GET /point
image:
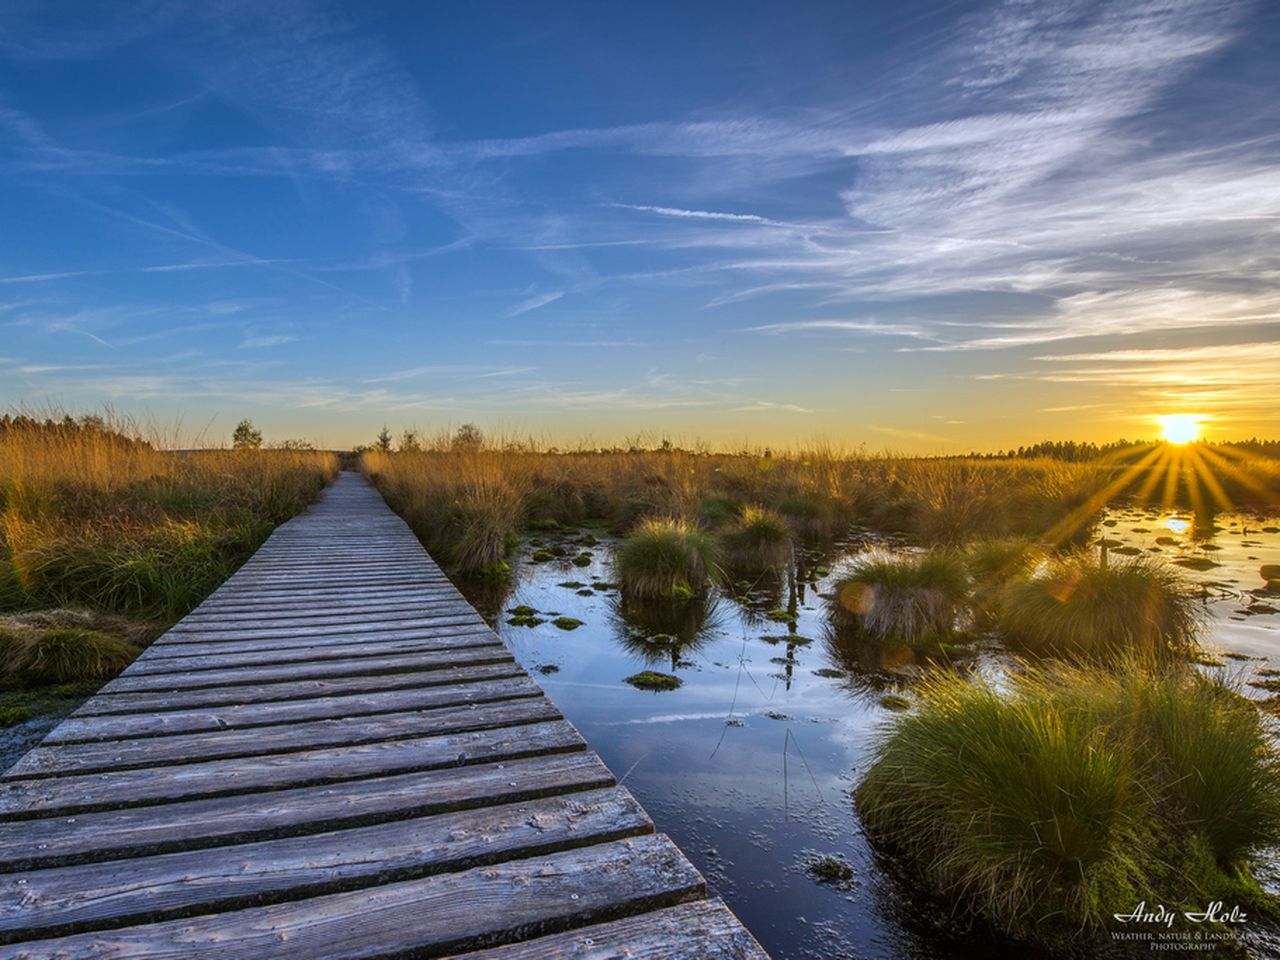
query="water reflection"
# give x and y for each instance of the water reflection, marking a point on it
(660, 631)
(753, 760)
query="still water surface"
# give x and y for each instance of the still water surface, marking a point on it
(750, 764)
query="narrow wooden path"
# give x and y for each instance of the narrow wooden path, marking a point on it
(333, 756)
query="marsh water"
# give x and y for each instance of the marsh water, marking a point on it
(750, 764)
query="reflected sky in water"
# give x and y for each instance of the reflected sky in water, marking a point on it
(750, 764)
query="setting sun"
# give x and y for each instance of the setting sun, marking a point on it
(1180, 428)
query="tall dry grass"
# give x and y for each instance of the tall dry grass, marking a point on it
(467, 500)
(95, 514)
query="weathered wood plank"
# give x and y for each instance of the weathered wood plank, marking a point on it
(702, 930)
(298, 607)
(171, 651)
(241, 715)
(454, 637)
(313, 618)
(445, 615)
(125, 683)
(77, 758)
(63, 795)
(106, 704)
(95, 895)
(426, 917)
(192, 824)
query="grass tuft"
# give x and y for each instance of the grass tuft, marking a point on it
(1077, 606)
(909, 598)
(1042, 807)
(66, 655)
(666, 559)
(759, 541)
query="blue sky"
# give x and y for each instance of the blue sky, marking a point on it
(926, 226)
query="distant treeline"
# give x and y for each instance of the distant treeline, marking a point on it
(1072, 451)
(67, 425)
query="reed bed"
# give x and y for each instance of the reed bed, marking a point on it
(94, 514)
(468, 499)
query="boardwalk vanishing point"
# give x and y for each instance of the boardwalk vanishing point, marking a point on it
(334, 756)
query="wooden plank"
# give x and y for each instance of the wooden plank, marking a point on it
(312, 617)
(94, 895)
(441, 616)
(78, 758)
(257, 654)
(494, 653)
(257, 586)
(23, 799)
(239, 716)
(302, 606)
(105, 704)
(426, 917)
(192, 824)
(701, 930)
(162, 651)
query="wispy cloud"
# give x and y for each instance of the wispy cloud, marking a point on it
(267, 340)
(682, 214)
(534, 302)
(768, 406)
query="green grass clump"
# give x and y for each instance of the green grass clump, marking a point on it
(567, 623)
(909, 598)
(66, 655)
(653, 680)
(813, 515)
(995, 564)
(1042, 807)
(666, 559)
(1078, 607)
(11, 716)
(759, 541)
(718, 509)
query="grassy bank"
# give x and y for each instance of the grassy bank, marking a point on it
(97, 520)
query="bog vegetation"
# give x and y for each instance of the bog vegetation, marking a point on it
(1041, 807)
(468, 498)
(1102, 770)
(95, 516)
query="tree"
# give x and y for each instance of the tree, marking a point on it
(409, 442)
(383, 442)
(468, 435)
(246, 436)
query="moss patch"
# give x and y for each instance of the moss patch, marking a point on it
(653, 680)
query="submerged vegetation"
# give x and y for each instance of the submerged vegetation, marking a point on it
(1041, 807)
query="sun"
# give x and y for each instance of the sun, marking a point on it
(1180, 428)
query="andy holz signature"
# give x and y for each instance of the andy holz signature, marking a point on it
(1214, 913)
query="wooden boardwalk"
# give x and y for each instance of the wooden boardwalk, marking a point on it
(334, 756)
